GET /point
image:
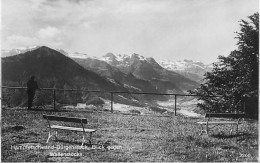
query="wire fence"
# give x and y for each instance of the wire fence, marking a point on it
(57, 98)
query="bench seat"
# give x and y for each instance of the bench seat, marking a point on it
(71, 128)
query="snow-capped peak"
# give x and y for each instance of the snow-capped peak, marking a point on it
(138, 56)
(6, 53)
(114, 58)
(121, 57)
(185, 65)
(22, 49)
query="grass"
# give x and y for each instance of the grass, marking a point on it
(138, 138)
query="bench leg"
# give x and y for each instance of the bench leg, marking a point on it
(50, 135)
(90, 136)
(83, 139)
(56, 135)
(203, 130)
(231, 131)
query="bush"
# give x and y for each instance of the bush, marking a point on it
(135, 111)
(157, 109)
(93, 100)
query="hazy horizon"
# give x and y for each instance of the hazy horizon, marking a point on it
(199, 30)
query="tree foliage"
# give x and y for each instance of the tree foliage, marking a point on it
(234, 78)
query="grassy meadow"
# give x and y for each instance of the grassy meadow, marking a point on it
(143, 138)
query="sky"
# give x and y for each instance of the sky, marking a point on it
(199, 30)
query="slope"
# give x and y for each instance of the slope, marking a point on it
(128, 80)
(149, 69)
(53, 69)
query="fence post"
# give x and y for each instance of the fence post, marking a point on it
(54, 98)
(244, 106)
(175, 101)
(77, 97)
(111, 95)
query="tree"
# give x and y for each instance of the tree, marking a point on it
(234, 78)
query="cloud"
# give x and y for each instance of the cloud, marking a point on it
(20, 41)
(50, 36)
(163, 28)
(49, 33)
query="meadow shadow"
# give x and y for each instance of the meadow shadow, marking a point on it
(230, 136)
(73, 142)
(47, 110)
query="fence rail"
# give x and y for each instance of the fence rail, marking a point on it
(111, 94)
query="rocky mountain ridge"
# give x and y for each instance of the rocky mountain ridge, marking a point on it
(193, 70)
(195, 67)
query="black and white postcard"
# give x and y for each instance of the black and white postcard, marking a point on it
(129, 80)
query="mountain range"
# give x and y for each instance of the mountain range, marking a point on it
(116, 76)
(188, 68)
(193, 70)
(148, 69)
(53, 69)
(129, 72)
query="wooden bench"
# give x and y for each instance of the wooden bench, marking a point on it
(230, 119)
(82, 129)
